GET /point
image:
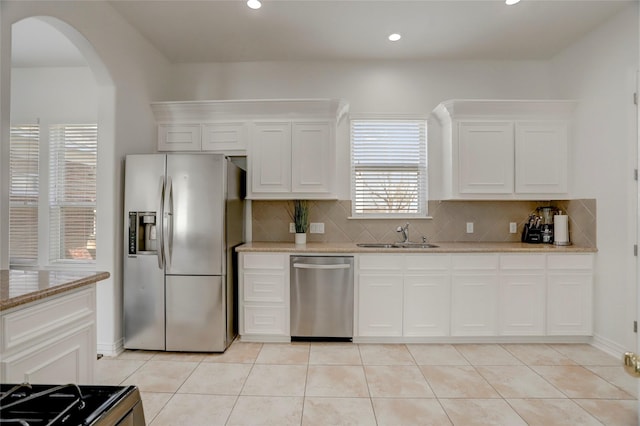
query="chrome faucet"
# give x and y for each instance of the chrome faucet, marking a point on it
(405, 232)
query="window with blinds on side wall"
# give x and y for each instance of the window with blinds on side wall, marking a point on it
(388, 168)
(72, 193)
(24, 147)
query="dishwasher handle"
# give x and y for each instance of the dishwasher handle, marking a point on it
(316, 266)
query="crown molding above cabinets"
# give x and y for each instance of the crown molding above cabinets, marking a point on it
(505, 149)
(290, 144)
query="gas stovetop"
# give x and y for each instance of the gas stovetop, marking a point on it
(57, 405)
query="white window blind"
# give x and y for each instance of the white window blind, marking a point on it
(72, 195)
(389, 168)
(24, 180)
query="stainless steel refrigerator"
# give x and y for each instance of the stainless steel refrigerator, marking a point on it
(184, 215)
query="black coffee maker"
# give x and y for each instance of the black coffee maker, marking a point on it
(539, 226)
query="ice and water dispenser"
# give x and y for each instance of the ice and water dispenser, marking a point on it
(142, 233)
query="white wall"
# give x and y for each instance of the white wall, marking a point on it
(129, 73)
(600, 71)
(57, 94)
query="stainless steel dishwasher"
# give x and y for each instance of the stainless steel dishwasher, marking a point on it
(322, 297)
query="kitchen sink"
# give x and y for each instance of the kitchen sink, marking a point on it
(376, 245)
(415, 245)
(396, 245)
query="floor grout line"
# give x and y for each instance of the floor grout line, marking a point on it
(395, 361)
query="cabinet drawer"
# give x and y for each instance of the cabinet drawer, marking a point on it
(381, 262)
(263, 287)
(263, 261)
(427, 262)
(570, 261)
(28, 325)
(264, 320)
(477, 262)
(521, 261)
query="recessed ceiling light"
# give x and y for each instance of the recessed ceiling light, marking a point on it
(511, 2)
(254, 4)
(395, 37)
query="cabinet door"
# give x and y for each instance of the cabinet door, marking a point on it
(312, 167)
(485, 157)
(179, 137)
(225, 137)
(541, 157)
(380, 305)
(569, 304)
(474, 305)
(426, 305)
(69, 358)
(270, 158)
(522, 304)
(522, 300)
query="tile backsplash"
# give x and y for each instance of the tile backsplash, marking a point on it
(447, 223)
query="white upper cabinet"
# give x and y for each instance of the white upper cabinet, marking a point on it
(291, 160)
(179, 137)
(270, 158)
(290, 144)
(495, 149)
(224, 136)
(541, 157)
(485, 161)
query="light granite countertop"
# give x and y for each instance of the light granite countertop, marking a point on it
(21, 286)
(443, 247)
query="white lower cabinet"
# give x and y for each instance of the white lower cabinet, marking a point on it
(474, 295)
(427, 289)
(522, 295)
(50, 341)
(264, 295)
(414, 296)
(403, 295)
(380, 298)
(570, 294)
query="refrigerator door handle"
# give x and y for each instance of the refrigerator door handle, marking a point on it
(159, 226)
(168, 231)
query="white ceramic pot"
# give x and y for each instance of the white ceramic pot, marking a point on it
(301, 238)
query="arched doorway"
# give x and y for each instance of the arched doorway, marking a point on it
(72, 92)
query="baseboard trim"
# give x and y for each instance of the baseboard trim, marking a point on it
(474, 339)
(259, 338)
(111, 349)
(609, 346)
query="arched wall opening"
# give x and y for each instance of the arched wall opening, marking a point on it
(102, 110)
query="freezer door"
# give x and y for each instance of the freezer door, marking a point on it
(143, 304)
(194, 214)
(143, 174)
(196, 317)
(143, 274)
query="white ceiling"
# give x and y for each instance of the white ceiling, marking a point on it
(228, 31)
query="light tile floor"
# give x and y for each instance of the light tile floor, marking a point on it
(364, 384)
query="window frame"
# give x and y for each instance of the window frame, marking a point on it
(59, 200)
(43, 220)
(422, 180)
(30, 199)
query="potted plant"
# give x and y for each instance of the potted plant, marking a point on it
(300, 217)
